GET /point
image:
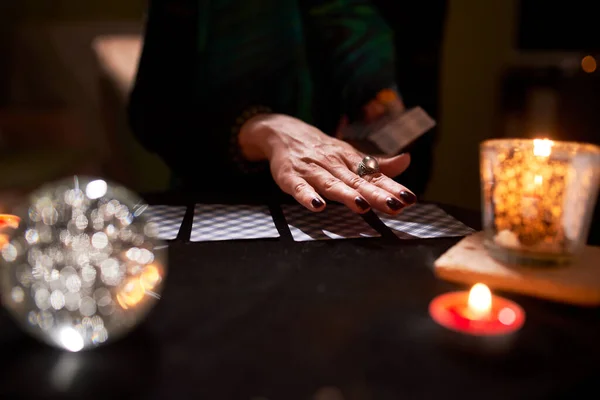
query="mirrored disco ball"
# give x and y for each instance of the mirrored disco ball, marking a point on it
(84, 266)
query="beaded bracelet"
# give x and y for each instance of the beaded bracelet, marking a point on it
(248, 167)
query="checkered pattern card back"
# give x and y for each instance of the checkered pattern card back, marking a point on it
(422, 221)
(335, 222)
(167, 218)
(213, 222)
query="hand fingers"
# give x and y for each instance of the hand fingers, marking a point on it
(381, 180)
(304, 193)
(333, 188)
(394, 166)
(379, 198)
(407, 197)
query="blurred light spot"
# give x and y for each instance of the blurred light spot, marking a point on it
(122, 211)
(99, 240)
(49, 215)
(54, 274)
(146, 256)
(130, 294)
(96, 189)
(17, 294)
(507, 316)
(88, 274)
(588, 64)
(73, 283)
(45, 320)
(72, 301)
(32, 318)
(34, 215)
(151, 229)
(57, 299)
(133, 253)
(42, 299)
(111, 271)
(87, 306)
(32, 236)
(102, 297)
(111, 231)
(100, 335)
(71, 340)
(138, 240)
(150, 277)
(9, 253)
(81, 222)
(24, 275)
(125, 234)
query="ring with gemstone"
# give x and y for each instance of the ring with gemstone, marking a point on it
(368, 166)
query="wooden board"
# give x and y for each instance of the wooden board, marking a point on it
(468, 262)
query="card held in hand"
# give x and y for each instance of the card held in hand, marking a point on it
(168, 219)
(335, 222)
(392, 132)
(424, 221)
(213, 222)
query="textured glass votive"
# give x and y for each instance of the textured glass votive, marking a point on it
(538, 197)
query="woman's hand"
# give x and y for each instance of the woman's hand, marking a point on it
(306, 163)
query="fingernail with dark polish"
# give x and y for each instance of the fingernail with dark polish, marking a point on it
(394, 204)
(408, 197)
(362, 203)
(317, 203)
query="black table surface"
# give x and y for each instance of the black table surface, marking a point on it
(278, 319)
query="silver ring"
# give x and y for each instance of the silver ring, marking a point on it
(368, 166)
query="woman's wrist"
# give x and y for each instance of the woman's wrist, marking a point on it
(255, 138)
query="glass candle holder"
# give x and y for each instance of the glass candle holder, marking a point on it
(538, 197)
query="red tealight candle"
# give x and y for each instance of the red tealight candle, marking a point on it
(477, 312)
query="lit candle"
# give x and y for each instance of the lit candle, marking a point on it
(7, 221)
(477, 312)
(538, 196)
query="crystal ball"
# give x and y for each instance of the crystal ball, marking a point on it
(84, 266)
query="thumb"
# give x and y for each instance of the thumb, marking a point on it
(394, 166)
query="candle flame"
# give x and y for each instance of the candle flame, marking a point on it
(150, 277)
(538, 179)
(10, 221)
(542, 147)
(480, 299)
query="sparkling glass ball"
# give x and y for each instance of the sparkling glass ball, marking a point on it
(85, 264)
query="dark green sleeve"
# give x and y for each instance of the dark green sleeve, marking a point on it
(166, 111)
(353, 44)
